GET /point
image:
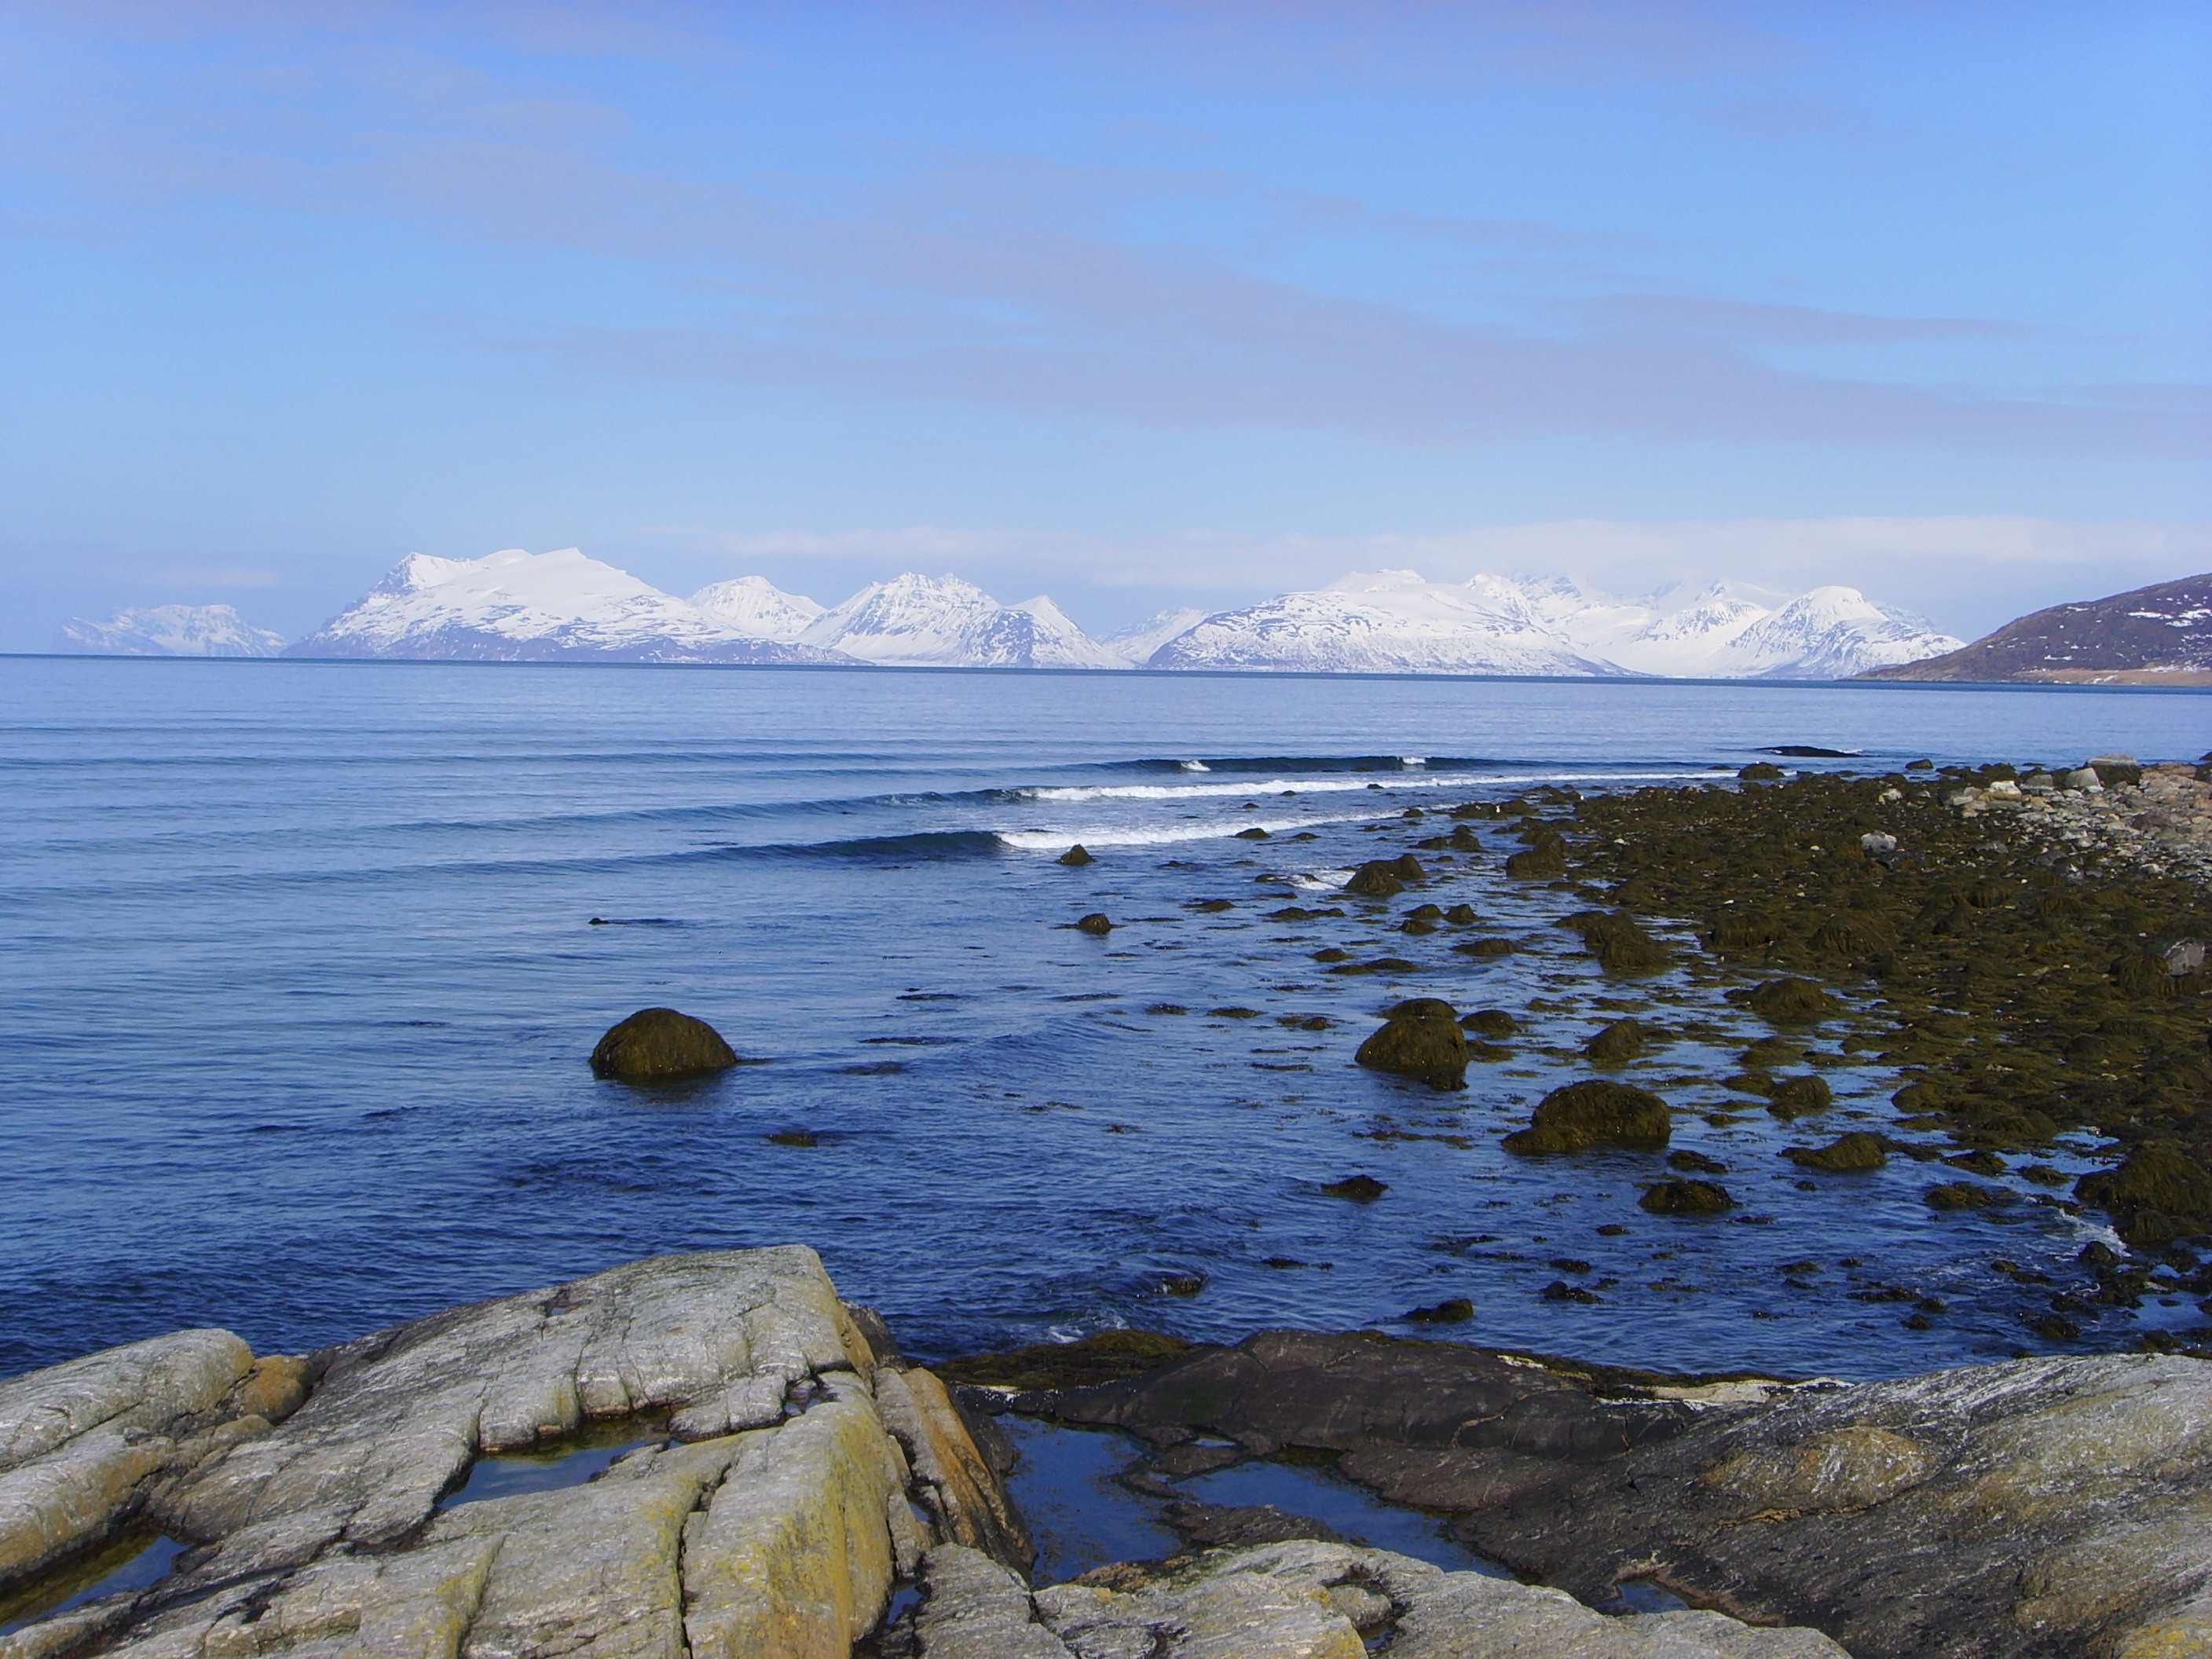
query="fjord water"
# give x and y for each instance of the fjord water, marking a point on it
(300, 968)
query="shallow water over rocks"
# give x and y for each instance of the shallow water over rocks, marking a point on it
(304, 962)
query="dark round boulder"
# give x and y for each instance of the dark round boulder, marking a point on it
(1761, 772)
(1595, 1113)
(1098, 922)
(1491, 1022)
(1686, 1198)
(1420, 1037)
(1077, 854)
(2159, 1177)
(1376, 878)
(657, 1044)
(1452, 1310)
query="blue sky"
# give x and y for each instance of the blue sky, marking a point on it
(1135, 304)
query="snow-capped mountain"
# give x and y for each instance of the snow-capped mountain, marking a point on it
(941, 620)
(524, 607)
(1385, 621)
(1393, 621)
(757, 607)
(1139, 640)
(1729, 631)
(170, 630)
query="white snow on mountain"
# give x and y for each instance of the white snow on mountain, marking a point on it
(941, 620)
(1139, 640)
(757, 607)
(1393, 621)
(1387, 621)
(170, 630)
(522, 606)
(526, 607)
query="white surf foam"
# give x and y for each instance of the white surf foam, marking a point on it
(1338, 784)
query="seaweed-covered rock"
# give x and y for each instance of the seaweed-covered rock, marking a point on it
(655, 1044)
(1792, 1001)
(1857, 1150)
(1794, 1097)
(1097, 923)
(1102, 1357)
(1618, 941)
(2159, 1179)
(1696, 1163)
(1376, 878)
(1409, 868)
(1618, 1042)
(1078, 855)
(1761, 772)
(1420, 1037)
(1452, 1310)
(1686, 1198)
(1545, 861)
(1490, 1023)
(1485, 947)
(1361, 1188)
(1965, 1195)
(1595, 1113)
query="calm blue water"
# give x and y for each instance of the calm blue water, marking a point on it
(299, 975)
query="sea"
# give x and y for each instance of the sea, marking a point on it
(300, 964)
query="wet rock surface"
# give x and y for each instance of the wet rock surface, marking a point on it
(1305, 1599)
(655, 1044)
(786, 1478)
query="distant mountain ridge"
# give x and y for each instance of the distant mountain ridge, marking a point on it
(561, 606)
(2156, 636)
(1395, 621)
(170, 630)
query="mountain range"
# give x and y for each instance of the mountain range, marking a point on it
(519, 606)
(170, 630)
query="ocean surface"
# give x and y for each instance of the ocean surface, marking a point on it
(299, 967)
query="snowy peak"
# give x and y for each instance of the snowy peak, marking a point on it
(1386, 621)
(1138, 640)
(170, 630)
(1395, 621)
(524, 607)
(913, 619)
(756, 607)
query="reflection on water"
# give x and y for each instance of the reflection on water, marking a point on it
(133, 1561)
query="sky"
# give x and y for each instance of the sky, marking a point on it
(1139, 305)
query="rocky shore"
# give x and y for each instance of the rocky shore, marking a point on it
(728, 1459)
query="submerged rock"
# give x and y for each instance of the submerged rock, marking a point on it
(2158, 1193)
(1794, 1097)
(1595, 1113)
(1078, 855)
(1098, 922)
(1364, 1188)
(1490, 1023)
(655, 1044)
(1686, 1198)
(1858, 1150)
(1420, 1037)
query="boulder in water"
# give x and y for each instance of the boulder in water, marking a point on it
(1686, 1198)
(1420, 1037)
(1365, 1188)
(1098, 922)
(1077, 854)
(1595, 1113)
(1858, 1150)
(1618, 1042)
(655, 1044)
(1376, 878)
